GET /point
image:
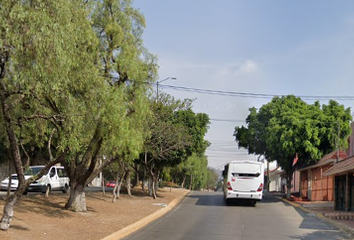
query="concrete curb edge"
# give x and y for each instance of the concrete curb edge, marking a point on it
(146, 220)
(341, 226)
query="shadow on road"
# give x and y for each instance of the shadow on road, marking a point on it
(217, 199)
(309, 223)
(317, 235)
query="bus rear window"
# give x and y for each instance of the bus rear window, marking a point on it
(246, 174)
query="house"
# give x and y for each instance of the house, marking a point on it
(316, 186)
(343, 174)
(277, 179)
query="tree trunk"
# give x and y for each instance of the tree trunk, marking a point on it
(153, 188)
(143, 183)
(77, 199)
(8, 186)
(47, 191)
(150, 183)
(8, 212)
(191, 183)
(288, 186)
(116, 190)
(119, 188)
(128, 182)
(103, 186)
(137, 176)
(184, 181)
(115, 195)
(15, 155)
(156, 185)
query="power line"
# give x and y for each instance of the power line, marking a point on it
(252, 95)
(227, 120)
(240, 94)
(225, 151)
(230, 156)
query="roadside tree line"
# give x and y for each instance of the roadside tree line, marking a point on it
(76, 85)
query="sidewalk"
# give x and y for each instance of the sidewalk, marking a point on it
(344, 221)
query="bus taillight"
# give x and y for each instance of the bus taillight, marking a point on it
(229, 186)
(260, 188)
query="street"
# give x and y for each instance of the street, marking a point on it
(205, 216)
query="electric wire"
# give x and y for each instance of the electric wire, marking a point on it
(252, 95)
(241, 94)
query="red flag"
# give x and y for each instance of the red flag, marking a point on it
(295, 160)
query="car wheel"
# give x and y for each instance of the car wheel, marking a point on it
(66, 188)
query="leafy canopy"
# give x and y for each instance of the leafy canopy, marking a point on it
(287, 126)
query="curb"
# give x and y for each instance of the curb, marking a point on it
(145, 220)
(341, 226)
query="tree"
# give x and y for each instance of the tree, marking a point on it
(41, 51)
(288, 127)
(212, 179)
(116, 126)
(198, 171)
(165, 138)
(73, 77)
(197, 125)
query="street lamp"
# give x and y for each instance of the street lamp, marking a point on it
(158, 82)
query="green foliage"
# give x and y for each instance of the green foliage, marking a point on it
(197, 171)
(197, 125)
(193, 172)
(212, 179)
(287, 126)
(80, 68)
(166, 138)
(175, 131)
(57, 51)
(51, 63)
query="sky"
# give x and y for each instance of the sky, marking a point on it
(273, 47)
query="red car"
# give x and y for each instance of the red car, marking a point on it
(111, 184)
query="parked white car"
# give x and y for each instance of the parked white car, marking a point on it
(55, 179)
(14, 183)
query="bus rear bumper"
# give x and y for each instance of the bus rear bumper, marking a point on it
(242, 195)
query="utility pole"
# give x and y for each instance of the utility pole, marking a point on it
(157, 85)
(337, 142)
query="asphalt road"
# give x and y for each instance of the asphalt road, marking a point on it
(204, 216)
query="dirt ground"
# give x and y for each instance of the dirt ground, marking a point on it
(37, 217)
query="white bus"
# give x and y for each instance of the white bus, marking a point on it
(244, 180)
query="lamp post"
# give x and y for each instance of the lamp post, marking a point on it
(158, 82)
